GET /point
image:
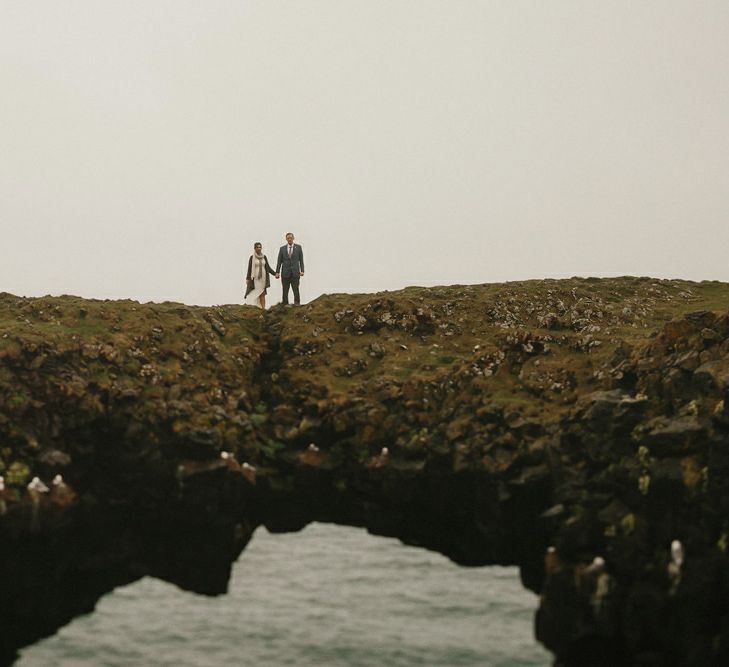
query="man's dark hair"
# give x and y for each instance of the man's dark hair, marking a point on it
(257, 243)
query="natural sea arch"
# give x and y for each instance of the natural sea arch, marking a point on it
(329, 595)
(585, 419)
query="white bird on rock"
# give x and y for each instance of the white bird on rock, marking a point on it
(313, 448)
(249, 472)
(36, 489)
(674, 567)
(385, 452)
(62, 494)
(37, 486)
(552, 561)
(677, 553)
(597, 566)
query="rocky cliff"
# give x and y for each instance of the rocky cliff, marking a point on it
(576, 428)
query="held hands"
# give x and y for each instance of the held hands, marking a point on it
(301, 273)
(278, 275)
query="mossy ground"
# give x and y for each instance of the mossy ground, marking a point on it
(556, 336)
(410, 368)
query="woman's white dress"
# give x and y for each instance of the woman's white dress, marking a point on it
(259, 286)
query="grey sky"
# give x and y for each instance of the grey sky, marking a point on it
(144, 145)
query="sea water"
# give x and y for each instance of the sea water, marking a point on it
(327, 596)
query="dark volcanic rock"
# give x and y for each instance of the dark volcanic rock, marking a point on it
(574, 428)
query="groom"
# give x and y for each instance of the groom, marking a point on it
(290, 268)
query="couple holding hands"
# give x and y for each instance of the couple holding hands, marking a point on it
(289, 267)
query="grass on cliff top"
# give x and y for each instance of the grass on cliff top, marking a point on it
(529, 347)
(145, 345)
(539, 341)
(57, 318)
(352, 344)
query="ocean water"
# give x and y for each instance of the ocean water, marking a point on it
(328, 596)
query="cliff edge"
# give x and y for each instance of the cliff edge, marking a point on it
(576, 428)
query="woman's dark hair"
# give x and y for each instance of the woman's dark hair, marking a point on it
(257, 243)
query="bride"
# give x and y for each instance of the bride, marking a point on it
(257, 280)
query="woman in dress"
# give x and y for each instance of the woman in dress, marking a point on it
(257, 280)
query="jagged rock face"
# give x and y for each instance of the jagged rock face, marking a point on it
(485, 422)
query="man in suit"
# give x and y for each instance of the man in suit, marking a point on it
(290, 268)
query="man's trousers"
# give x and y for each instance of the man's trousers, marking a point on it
(293, 281)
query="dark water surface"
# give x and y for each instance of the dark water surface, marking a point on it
(327, 596)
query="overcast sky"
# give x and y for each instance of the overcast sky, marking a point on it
(144, 145)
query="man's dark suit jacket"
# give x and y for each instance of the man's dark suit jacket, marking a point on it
(290, 268)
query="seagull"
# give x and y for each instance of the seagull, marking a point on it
(597, 566)
(677, 553)
(62, 494)
(674, 567)
(35, 489)
(552, 562)
(313, 448)
(37, 486)
(225, 455)
(385, 452)
(249, 472)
